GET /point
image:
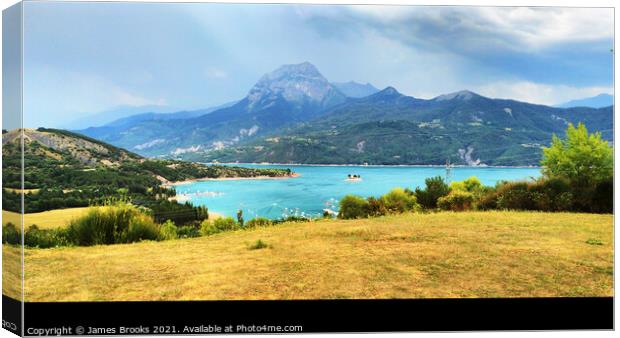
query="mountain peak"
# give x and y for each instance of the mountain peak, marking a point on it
(463, 95)
(388, 92)
(304, 69)
(298, 83)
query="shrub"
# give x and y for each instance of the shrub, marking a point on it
(295, 219)
(398, 201)
(436, 187)
(471, 184)
(48, 238)
(10, 234)
(218, 225)
(376, 207)
(487, 201)
(258, 222)
(188, 231)
(168, 230)
(515, 196)
(120, 223)
(603, 197)
(259, 244)
(353, 207)
(141, 228)
(456, 200)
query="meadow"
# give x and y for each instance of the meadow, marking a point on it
(410, 255)
(46, 219)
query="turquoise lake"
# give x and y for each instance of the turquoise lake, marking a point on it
(321, 187)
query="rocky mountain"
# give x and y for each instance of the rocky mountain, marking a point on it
(354, 89)
(288, 95)
(391, 128)
(598, 101)
(294, 114)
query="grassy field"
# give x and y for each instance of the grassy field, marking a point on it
(470, 254)
(55, 218)
(46, 219)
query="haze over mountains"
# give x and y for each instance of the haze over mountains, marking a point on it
(295, 115)
(598, 101)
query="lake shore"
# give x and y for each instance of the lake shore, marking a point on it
(369, 165)
(194, 180)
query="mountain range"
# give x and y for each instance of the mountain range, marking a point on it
(598, 101)
(295, 115)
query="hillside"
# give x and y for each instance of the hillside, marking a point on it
(435, 255)
(391, 128)
(64, 169)
(288, 95)
(295, 115)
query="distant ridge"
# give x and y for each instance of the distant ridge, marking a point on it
(293, 114)
(598, 101)
(355, 89)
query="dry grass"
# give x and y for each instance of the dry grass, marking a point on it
(472, 254)
(46, 219)
(11, 271)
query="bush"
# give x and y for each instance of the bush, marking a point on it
(551, 195)
(603, 197)
(120, 223)
(49, 238)
(399, 201)
(188, 231)
(471, 184)
(515, 196)
(376, 207)
(487, 201)
(353, 207)
(544, 195)
(259, 244)
(168, 230)
(436, 187)
(10, 234)
(141, 228)
(258, 222)
(456, 200)
(218, 225)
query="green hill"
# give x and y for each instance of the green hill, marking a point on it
(63, 169)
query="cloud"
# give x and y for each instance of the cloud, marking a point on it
(512, 28)
(539, 93)
(52, 95)
(537, 44)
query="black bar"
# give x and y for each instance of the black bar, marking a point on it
(11, 315)
(334, 315)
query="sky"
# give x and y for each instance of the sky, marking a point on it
(84, 58)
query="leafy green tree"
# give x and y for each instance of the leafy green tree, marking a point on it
(436, 187)
(581, 158)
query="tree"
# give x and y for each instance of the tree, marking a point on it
(436, 187)
(581, 158)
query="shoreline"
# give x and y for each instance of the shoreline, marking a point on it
(262, 177)
(372, 165)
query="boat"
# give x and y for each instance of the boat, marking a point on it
(353, 178)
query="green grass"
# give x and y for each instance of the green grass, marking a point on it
(469, 254)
